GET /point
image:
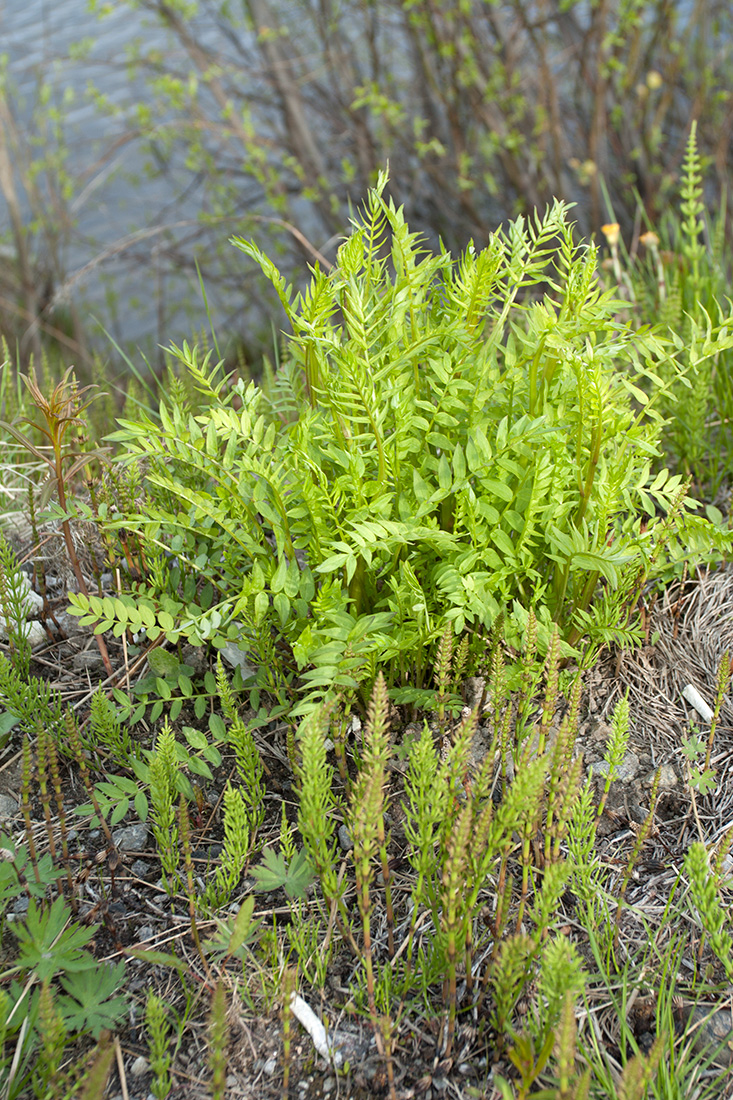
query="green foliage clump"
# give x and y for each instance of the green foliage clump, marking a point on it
(447, 442)
(680, 281)
(163, 773)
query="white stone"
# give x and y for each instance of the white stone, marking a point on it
(667, 777)
(695, 699)
(236, 656)
(8, 807)
(139, 1066)
(32, 630)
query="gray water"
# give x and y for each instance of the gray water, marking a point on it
(116, 208)
(127, 257)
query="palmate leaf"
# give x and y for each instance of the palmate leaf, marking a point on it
(49, 945)
(274, 873)
(90, 1005)
(234, 934)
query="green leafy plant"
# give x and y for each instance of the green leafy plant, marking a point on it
(240, 736)
(158, 1028)
(163, 770)
(51, 949)
(679, 280)
(30, 700)
(113, 798)
(23, 871)
(13, 612)
(108, 733)
(700, 777)
(276, 873)
(91, 1002)
(234, 934)
(48, 945)
(458, 839)
(705, 896)
(236, 851)
(217, 1041)
(436, 449)
(616, 748)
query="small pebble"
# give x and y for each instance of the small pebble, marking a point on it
(87, 660)
(624, 773)
(600, 731)
(328, 1083)
(8, 806)
(236, 656)
(345, 838)
(667, 777)
(70, 625)
(139, 1066)
(133, 838)
(140, 868)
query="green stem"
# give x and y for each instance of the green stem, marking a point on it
(591, 471)
(534, 370)
(357, 587)
(310, 377)
(584, 603)
(447, 511)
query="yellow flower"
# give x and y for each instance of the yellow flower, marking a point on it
(611, 233)
(649, 240)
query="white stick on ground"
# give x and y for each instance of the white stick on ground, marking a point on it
(305, 1015)
(695, 699)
